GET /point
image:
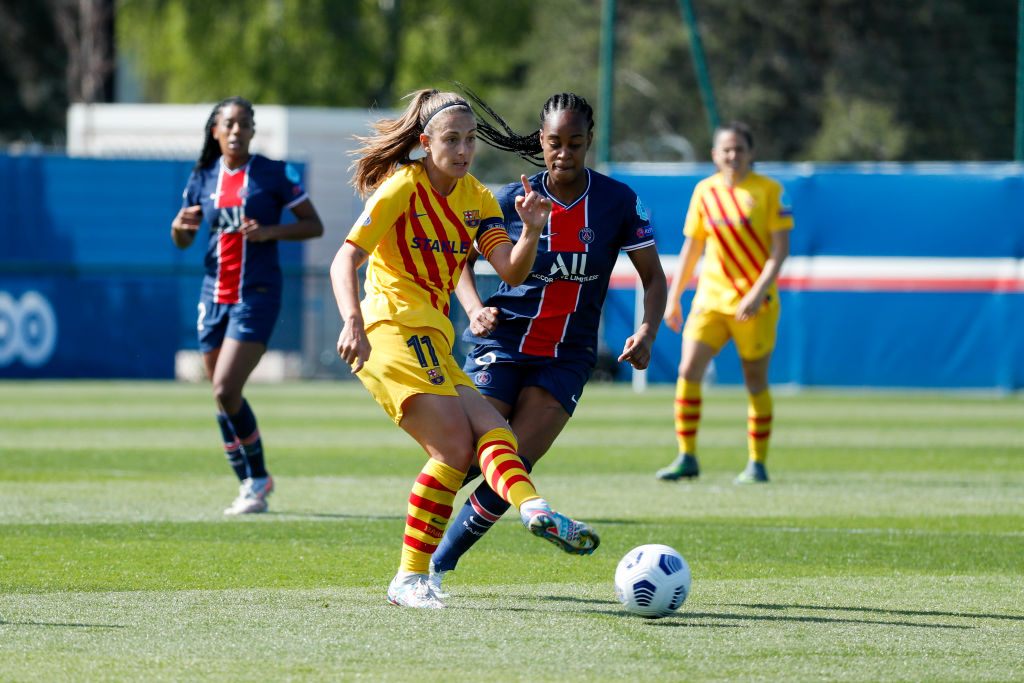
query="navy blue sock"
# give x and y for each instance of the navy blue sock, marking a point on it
(478, 514)
(232, 448)
(248, 433)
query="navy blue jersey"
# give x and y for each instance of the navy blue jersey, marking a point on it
(260, 190)
(556, 311)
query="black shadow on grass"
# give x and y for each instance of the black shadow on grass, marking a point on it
(612, 607)
(49, 623)
(623, 522)
(299, 516)
(816, 620)
(878, 610)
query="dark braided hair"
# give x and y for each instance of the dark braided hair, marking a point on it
(211, 148)
(528, 147)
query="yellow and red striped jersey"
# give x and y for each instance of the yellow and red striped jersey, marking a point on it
(736, 224)
(419, 243)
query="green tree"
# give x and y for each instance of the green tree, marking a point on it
(817, 79)
(315, 52)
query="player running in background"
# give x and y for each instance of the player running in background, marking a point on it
(740, 221)
(241, 196)
(536, 343)
(417, 231)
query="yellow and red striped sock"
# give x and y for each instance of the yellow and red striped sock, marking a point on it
(430, 508)
(687, 414)
(498, 453)
(759, 425)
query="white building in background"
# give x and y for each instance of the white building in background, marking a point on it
(320, 138)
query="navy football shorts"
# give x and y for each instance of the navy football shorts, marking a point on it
(496, 374)
(249, 321)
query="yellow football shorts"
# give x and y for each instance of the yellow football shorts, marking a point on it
(406, 361)
(754, 338)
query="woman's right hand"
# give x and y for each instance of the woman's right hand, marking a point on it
(354, 346)
(188, 218)
(483, 321)
(186, 224)
(674, 314)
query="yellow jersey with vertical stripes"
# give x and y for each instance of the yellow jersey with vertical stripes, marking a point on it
(419, 242)
(736, 224)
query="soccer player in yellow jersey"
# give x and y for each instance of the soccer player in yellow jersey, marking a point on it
(417, 231)
(740, 222)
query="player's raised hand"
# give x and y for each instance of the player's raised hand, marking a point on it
(533, 208)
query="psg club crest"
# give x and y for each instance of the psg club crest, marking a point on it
(586, 235)
(483, 378)
(471, 218)
(435, 376)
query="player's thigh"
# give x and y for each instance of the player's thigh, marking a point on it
(755, 338)
(405, 362)
(253, 320)
(537, 420)
(441, 426)
(236, 360)
(495, 376)
(708, 327)
(704, 335)
(211, 325)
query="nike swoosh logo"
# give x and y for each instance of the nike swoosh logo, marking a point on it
(573, 399)
(438, 522)
(419, 215)
(549, 235)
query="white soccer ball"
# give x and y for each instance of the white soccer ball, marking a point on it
(652, 580)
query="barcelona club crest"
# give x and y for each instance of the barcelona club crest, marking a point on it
(471, 218)
(435, 376)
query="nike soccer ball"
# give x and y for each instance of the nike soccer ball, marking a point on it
(652, 580)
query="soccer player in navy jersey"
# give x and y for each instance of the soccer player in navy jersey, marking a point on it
(535, 345)
(241, 197)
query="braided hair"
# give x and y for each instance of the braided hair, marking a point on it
(396, 139)
(528, 147)
(211, 148)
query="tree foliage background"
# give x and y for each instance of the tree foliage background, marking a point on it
(821, 80)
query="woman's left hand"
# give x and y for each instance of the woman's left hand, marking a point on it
(749, 306)
(637, 350)
(253, 231)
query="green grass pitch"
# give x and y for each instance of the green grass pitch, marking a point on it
(888, 546)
